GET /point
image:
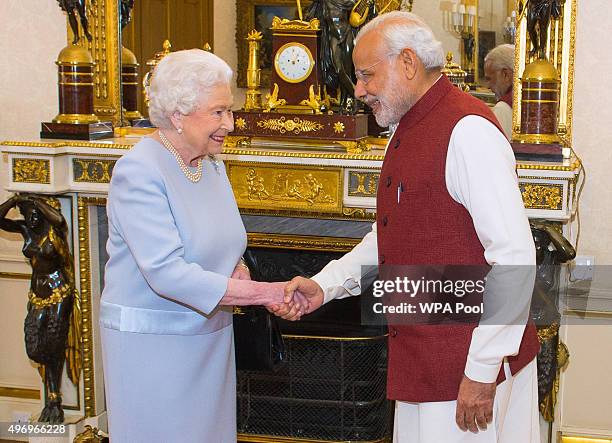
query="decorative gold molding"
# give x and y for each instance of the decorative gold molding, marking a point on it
(89, 435)
(570, 81)
(359, 213)
(347, 214)
(324, 337)
(295, 125)
(29, 170)
(92, 170)
(76, 144)
(574, 166)
(275, 439)
(26, 393)
(326, 155)
(15, 276)
(354, 147)
(104, 48)
(542, 196)
(576, 439)
(301, 242)
(284, 24)
(86, 311)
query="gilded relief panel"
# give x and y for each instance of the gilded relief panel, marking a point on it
(92, 170)
(27, 170)
(362, 184)
(542, 196)
(286, 187)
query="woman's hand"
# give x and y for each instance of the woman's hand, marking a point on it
(241, 272)
(249, 292)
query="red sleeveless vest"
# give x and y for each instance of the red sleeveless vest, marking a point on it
(426, 362)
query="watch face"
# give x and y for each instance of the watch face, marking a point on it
(293, 62)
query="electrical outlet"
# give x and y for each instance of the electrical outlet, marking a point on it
(583, 267)
(21, 417)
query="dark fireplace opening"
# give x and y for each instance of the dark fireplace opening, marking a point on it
(333, 386)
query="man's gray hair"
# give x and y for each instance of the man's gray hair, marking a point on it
(400, 30)
(181, 80)
(501, 57)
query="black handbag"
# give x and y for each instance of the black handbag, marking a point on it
(258, 341)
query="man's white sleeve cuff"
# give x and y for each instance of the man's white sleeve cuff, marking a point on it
(481, 372)
(349, 288)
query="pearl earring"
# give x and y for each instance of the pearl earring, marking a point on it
(179, 130)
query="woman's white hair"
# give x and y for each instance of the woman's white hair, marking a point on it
(501, 57)
(181, 80)
(400, 30)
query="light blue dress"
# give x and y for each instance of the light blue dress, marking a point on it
(167, 347)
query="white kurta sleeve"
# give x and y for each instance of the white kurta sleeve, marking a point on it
(481, 175)
(343, 277)
(139, 209)
(503, 113)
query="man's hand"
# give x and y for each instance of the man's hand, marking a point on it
(300, 287)
(474, 405)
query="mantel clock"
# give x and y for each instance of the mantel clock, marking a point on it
(296, 78)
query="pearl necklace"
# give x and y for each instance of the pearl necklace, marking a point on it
(192, 176)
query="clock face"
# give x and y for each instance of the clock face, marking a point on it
(293, 62)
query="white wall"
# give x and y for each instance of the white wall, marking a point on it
(592, 127)
(31, 35)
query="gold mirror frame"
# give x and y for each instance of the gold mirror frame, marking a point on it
(561, 52)
(103, 16)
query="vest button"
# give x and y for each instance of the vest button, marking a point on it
(393, 332)
(388, 181)
(385, 220)
(381, 259)
(397, 144)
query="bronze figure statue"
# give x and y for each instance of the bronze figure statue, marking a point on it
(125, 11)
(545, 313)
(538, 17)
(74, 8)
(52, 323)
(337, 42)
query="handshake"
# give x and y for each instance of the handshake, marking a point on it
(289, 300)
(300, 296)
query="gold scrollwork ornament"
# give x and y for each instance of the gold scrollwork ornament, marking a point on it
(355, 147)
(295, 125)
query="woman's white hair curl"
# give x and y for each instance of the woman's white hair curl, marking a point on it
(400, 30)
(181, 80)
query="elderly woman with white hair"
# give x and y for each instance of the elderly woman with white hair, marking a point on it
(174, 270)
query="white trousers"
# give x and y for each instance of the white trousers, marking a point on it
(515, 415)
